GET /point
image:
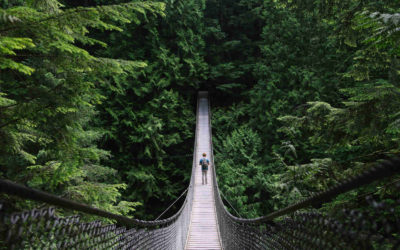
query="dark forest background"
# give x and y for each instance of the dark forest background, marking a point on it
(97, 98)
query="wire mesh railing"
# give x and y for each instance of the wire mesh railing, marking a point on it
(300, 227)
(46, 228)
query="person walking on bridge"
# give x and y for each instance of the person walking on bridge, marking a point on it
(204, 162)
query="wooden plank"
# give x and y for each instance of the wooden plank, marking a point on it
(203, 231)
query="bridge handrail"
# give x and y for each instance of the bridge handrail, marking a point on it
(12, 188)
(385, 169)
(28, 193)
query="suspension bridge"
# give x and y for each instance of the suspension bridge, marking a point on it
(203, 221)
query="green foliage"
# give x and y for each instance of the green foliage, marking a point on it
(49, 94)
(317, 82)
(241, 177)
(96, 101)
(148, 115)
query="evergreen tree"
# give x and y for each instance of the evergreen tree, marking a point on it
(49, 90)
(148, 115)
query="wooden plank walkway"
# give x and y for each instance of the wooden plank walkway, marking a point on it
(203, 230)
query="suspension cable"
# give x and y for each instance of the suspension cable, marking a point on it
(172, 204)
(230, 204)
(382, 170)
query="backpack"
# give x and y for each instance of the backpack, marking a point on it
(204, 164)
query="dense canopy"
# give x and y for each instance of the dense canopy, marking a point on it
(97, 98)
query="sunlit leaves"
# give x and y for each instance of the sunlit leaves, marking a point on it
(49, 92)
(8, 47)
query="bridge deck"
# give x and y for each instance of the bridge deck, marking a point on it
(203, 231)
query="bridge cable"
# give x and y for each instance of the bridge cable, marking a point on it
(172, 204)
(12, 188)
(230, 204)
(383, 169)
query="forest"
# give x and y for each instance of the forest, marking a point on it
(97, 99)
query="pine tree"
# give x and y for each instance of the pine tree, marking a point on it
(49, 91)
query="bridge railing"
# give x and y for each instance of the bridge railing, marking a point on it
(299, 226)
(46, 228)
